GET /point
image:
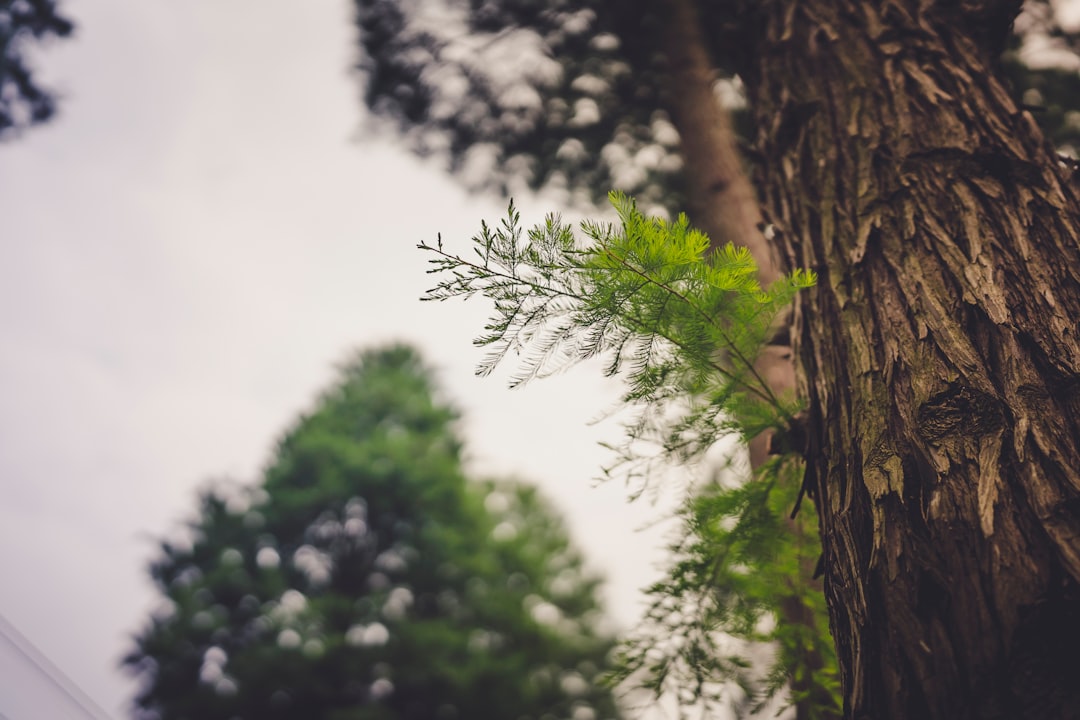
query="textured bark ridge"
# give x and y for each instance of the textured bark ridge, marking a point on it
(939, 353)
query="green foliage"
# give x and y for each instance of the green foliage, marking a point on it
(741, 564)
(365, 579)
(683, 327)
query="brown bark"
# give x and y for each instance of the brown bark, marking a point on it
(720, 197)
(939, 353)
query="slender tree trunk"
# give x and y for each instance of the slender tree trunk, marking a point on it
(939, 352)
(721, 199)
(723, 202)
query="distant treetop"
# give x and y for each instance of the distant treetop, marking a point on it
(365, 578)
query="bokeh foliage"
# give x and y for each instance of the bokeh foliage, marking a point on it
(23, 100)
(576, 95)
(365, 578)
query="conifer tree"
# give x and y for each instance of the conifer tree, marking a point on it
(365, 578)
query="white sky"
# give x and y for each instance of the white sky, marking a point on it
(185, 253)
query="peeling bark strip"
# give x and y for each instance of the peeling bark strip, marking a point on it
(939, 352)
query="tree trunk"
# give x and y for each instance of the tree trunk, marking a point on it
(723, 202)
(720, 198)
(939, 352)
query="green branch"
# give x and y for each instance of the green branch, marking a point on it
(684, 328)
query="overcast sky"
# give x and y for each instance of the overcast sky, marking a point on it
(185, 253)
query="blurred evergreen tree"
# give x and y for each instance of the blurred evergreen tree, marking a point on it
(366, 578)
(23, 102)
(572, 94)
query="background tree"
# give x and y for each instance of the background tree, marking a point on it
(366, 578)
(23, 102)
(938, 355)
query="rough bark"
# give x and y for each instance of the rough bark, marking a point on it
(939, 353)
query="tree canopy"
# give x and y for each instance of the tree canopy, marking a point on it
(583, 96)
(565, 94)
(23, 100)
(364, 577)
